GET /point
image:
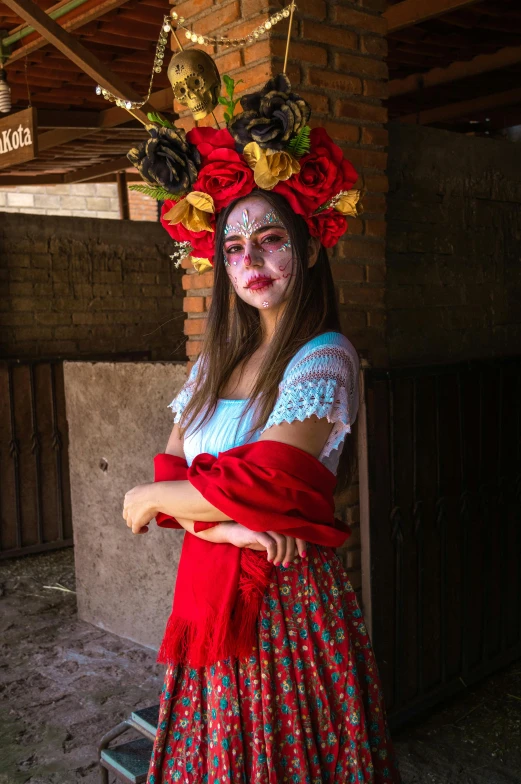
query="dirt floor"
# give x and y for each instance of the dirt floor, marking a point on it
(63, 683)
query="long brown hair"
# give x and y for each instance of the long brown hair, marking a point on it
(233, 329)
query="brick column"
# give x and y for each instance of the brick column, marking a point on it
(338, 64)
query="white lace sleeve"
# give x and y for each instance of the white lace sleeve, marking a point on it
(322, 381)
(180, 401)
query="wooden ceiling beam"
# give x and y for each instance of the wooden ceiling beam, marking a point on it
(133, 29)
(463, 108)
(121, 42)
(413, 12)
(160, 101)
(82, 120)
(76, 52)
(12, 180)
(80, 175)
(76, 19)
(108, 119)
(8, 180)
(98, 170)
(483, 63)
(60, 136)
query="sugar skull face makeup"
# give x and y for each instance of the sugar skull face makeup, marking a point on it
(257, 253)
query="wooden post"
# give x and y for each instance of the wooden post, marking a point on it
(124, 209)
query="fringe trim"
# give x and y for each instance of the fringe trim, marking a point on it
(232, 633)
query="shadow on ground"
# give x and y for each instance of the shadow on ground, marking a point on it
(63, 683)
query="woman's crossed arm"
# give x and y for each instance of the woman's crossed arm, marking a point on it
(184, 502)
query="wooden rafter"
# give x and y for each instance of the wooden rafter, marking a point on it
(12, 180)
(60, 136)
(91, 172)
(79, 119)
(62, 128)
(483, 63)
(109, 118)
(413, 12)
(160, 101)
(463, 108)
(76, 52)
(72, 21)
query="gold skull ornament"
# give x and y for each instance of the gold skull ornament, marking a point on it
(196, 81)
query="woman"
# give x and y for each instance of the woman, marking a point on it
(306, 704)
(270, 672)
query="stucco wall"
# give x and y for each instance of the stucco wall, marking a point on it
(117, 413)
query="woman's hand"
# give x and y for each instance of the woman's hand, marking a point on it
(139, 509)
(280, 548)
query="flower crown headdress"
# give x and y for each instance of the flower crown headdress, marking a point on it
(268, 146)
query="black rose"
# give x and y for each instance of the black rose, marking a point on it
(271, 115)
(166, 159)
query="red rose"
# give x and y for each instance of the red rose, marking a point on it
(225, 177)
(328, 226)
(208, 139)
(202, 242)
(323, 173)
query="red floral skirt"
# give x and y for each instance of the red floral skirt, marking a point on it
(305, 708)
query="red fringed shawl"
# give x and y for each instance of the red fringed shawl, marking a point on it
(265, 486)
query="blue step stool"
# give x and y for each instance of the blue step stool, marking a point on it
(129, 761)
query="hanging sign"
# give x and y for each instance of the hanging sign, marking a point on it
(18, 138)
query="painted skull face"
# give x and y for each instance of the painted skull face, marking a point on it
(257, 253)
(195, 81)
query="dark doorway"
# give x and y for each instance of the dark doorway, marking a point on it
(444, 463)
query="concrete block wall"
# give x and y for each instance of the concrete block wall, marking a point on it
(83, 286)
(337, 63)
(454, 245)
(84, 200)
(94, 200)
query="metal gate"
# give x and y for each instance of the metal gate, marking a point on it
(35, 503)
(444, 475)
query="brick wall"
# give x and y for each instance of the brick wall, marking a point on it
(142, 208)
(454, 245)
(85, 200)
(83, 286)
(337, 63)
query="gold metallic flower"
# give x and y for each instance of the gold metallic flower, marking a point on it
(348, 204)
(201, 265)
(193, 212)
(269, 166)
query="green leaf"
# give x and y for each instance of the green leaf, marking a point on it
(158, 193)
(155, 118)
(223, 100)
(230, 84)
(300, 144)
(227, 117)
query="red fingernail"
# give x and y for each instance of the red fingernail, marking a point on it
(304, 554)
